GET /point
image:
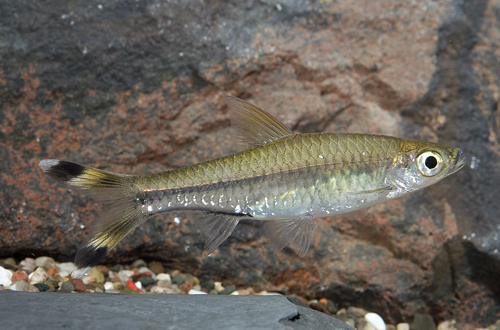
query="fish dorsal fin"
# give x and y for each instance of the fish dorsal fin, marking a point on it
(252, 125)
(297, 232)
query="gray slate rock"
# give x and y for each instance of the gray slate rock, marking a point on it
(109, 311)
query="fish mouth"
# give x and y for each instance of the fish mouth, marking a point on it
(459, 162)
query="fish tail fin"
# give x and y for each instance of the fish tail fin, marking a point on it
(120, 210)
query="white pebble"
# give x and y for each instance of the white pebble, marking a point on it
(18, 285)
(138, 284)
(28, 265)
(46, 262)
(218, 286)
(64, 274)
(403, 326)
(163, 277)
(376, 322)
(5, 276)
(125, 275)
(38, 276)
(108, 286)
(193, 291)
(67, 267)
(164, 280)
(159, 289)
(88, 279)
(447, 325)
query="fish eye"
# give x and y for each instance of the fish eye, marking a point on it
(429, 163)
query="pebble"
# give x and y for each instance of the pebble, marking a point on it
(28, 265)
(193, 291)
(67, 287)
(88, 279)
(103, 269)
(139, 263)
(163, 277)
(156, 267)
(44, 274)
(128, 291)
(96, 287)
(447, 325)
(243, 292)
(96, 273)
(53, 271)
(147, 281)
(164, 280)
(207, 282)
(5, 277)
(9, 263)
(342, 314)
(218, 286)
(146, 272)
(186, 286)
(331, 306)
(423, 322)
(30, 288)
(355, 311)
(319, 307)
(159, 289)
(42, 287)
(38, 276)
(374, 322)
(66, 268)
(228, 289)
(18, 285)
(178, 279)
(45, 262)
(79, 286)
(125, 275)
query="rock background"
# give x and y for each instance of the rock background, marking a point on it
(138, 86)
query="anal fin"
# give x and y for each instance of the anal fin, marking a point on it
(296, 231)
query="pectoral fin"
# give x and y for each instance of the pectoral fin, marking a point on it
(297, 232)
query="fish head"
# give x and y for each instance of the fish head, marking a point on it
(420, 164)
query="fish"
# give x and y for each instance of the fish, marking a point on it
(284, 178)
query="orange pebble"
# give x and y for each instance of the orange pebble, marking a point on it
(20, 275)
(52, 270)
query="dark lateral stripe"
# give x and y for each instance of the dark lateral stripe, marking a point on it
(89, 256)
(61, 170)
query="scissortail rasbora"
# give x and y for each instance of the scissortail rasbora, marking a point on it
(283, 177)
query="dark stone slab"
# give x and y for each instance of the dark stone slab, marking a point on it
(47, 311)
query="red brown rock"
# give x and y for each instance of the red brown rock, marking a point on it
(79, 286)
(186, 286)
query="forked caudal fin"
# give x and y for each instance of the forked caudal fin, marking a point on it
(119, 216)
